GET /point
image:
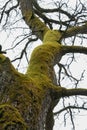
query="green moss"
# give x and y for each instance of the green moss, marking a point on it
(6, 66)
(11, 118)
(26, 96)
(27, 14)
(37, 26)
(43, 59)
(27, 92)
(21, 92)
(2, 58)
(36, 23)
(52, 36)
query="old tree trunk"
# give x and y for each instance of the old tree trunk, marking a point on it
(27, 101)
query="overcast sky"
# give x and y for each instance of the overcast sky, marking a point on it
(6, 40)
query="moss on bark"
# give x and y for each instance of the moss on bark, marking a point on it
(10, 118)
(28, 97)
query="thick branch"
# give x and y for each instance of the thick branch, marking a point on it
(64, 92)
(37, 26)
(74, 49)
(75, 91)
(75, 30)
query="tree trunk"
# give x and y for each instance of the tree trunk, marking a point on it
(27, 100)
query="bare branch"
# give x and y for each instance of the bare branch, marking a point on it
(42, 10)
(74, 91)
(24, 50)
(3, 10)
(74, 49)
(71, 116)
(69, 107)
(68, 74)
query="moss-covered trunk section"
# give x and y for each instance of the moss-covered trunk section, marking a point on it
(42, 62)
(35, 24)
(29, 97)
(27, 101)
(41, 71)
(23, 103)
(45, 56)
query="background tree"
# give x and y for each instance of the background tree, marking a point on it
(27, 100)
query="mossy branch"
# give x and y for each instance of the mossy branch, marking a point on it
(36, 25)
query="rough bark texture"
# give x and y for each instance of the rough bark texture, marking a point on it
(27, 101)
(29, 97)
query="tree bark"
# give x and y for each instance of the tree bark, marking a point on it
(27, 101)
